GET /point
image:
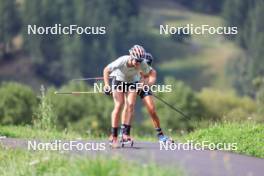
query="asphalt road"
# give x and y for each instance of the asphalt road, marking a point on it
(192, 162)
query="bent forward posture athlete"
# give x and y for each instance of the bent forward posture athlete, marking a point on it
(148, 101)
(126, 72)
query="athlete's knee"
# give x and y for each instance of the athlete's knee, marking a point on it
(130, 106)
(118, 107)
(119, 104)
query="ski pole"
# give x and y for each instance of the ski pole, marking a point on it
(172, 107)
(74, 93)
(87, 79)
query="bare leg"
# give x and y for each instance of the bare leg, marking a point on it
(119, 102)
(130, 106)
(124, 112)
(127, 115)
(150, 105)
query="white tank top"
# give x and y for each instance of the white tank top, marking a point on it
(121, 72)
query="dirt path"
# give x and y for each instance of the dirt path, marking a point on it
(193, 162)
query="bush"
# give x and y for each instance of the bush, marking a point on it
(184, 99)
(227, 105)
(84, 112)
(260, 98)
(17, 103)
(45, 115)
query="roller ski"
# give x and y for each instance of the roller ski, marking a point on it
(113, 142)
(125, 138)
(164, 139)
(126, 141)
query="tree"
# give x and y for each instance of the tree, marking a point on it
(206, 6)
(250, 66)
(9, 25)
(254, 33)
(58, 58)
(235, 13)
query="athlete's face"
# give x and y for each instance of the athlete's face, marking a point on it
(135, 63)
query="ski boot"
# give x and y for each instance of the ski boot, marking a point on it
(164, 139)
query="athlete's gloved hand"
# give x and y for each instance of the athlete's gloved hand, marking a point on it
(139, 91)
(107, 90)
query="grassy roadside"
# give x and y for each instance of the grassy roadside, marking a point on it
(33, 133)
(29, 132)
(21, 162)
(248, 136)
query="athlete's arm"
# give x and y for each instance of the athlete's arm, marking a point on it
(106, 76)
(152, 77)
(149, 78)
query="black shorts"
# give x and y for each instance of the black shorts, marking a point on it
(145, 93)
(123, 86)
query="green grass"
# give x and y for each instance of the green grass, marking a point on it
(248, 136)
(19, 162)
(33, 133)
(22, 162)
(29, 132)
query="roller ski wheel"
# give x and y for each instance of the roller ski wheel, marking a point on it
(126, 140)
(172, 141)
